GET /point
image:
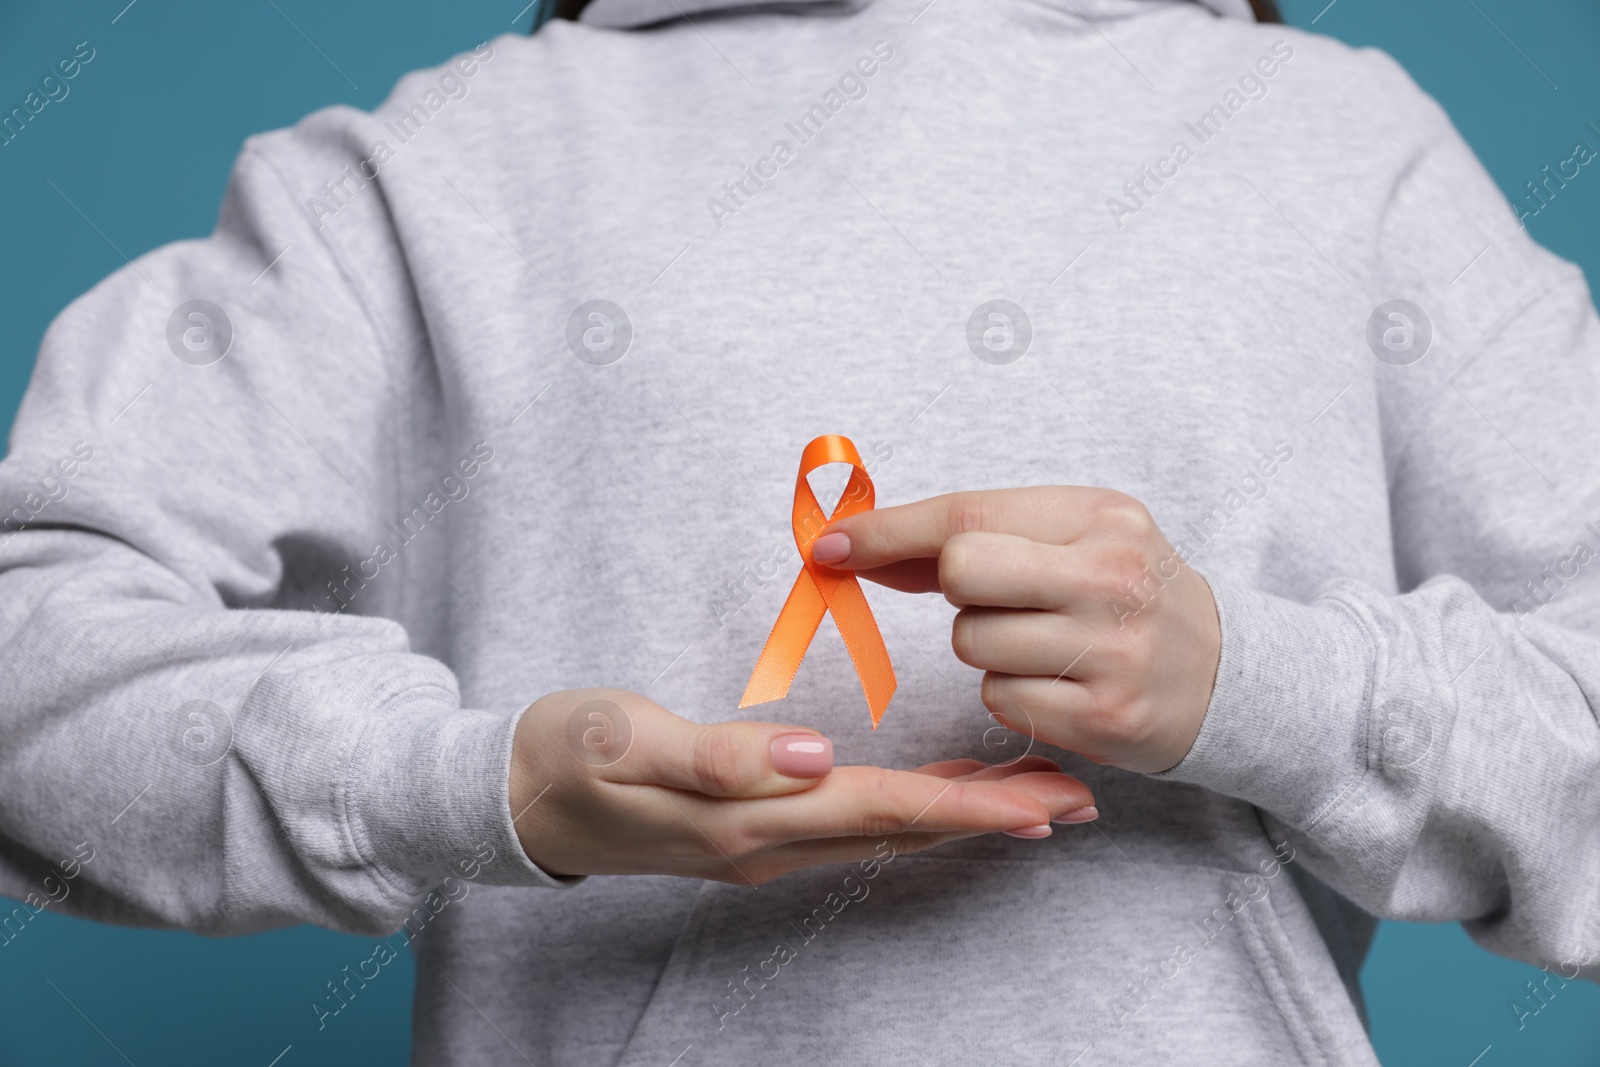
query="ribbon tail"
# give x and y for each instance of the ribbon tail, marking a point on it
(787, 643)
(853, 615)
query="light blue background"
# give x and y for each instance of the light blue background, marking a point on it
(142, 147)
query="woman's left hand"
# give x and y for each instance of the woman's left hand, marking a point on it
(1092, 634)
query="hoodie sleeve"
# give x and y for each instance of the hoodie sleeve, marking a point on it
(191, 735)
(1435, 755)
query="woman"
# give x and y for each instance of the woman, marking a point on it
(490, 401)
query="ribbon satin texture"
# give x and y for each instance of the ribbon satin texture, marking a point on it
(818, 590)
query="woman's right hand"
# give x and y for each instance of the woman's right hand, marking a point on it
(604, 781)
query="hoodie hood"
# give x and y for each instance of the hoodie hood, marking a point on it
(626, 14)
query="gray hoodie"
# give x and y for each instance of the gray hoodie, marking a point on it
(501, 389)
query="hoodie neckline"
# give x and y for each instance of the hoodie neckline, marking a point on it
(630, 14)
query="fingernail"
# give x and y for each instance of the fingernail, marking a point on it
(1031, 832)
(802, 755)
(1071, 818)
(831, 548)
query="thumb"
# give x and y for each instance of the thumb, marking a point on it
(729, 759)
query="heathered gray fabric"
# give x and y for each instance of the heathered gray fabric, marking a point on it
(1401, 555)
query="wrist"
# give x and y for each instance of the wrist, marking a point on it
(426, 795)
(529, 780)
(1286, 725)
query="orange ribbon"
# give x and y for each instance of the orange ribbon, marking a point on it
(818, 590)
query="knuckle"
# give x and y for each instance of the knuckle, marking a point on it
(966, 513)
(906, 844)
(878, 823)
(964, 637)
(958, 569)
(1122, 571)
(1020, 704)
(1128, 733)
(1000, 695)
(718, 761)
(1118, 652)
(1139, 656)
(993, 688)
(878, 816)
(1124, 514)
(1112, 718)
(992, 692)
(730, 843)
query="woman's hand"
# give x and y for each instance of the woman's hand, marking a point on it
(1092, 633)
(604, 781)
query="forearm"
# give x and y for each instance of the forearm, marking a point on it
(1430, 759)
(233, 770)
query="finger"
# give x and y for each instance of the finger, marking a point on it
(976, 770)
(861, 803)
(827, 852)
(1063, 713)
(871, 801)
(1025, 764)
(907, 576)
(1021, 642)
(1054, 514)
(730, 759)
(1006, 571)
(951, 768)
(1066, 798)
(836, 850)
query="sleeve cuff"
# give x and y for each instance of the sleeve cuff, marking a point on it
(427, 796)
(1286, 728)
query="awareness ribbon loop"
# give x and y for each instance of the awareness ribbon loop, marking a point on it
(818, 590)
